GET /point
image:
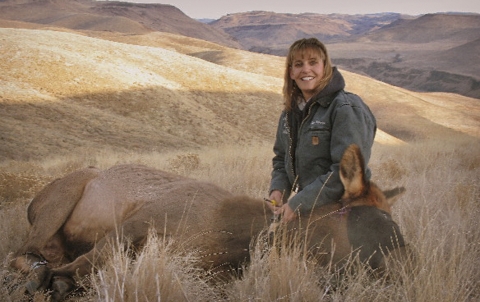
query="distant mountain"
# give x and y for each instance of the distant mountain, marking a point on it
(206, 20)
(431, 52)
(129, 18)
(429, 28)
(273, 33)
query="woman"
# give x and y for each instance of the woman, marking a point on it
(319, 121)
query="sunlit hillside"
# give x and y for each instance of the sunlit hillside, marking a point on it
(64, 92)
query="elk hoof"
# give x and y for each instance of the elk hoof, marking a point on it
(61, 287)
(40, 279)
(32, 286)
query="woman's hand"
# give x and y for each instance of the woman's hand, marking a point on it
(287, 213)
(277, 198)
(279, 208)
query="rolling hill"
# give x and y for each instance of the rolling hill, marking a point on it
(128, 18)
(73, 93)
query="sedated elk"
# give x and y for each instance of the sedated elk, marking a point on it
(73, 218)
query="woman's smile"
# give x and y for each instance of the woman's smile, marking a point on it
(307, 71)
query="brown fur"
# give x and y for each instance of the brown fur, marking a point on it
(74, 217)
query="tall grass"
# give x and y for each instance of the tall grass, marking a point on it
(438, 216)
(156, 273)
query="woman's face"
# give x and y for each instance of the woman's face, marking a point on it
(307, 71)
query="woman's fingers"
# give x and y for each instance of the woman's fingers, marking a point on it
(288, 214)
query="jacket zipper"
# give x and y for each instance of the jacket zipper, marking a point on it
(295, 186)
(290, 144)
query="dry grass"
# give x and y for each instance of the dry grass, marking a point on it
(439, 216)
(156, 273)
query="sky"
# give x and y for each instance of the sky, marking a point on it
(214, 9)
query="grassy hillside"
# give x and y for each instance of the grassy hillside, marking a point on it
(72, 93)
(65, 93)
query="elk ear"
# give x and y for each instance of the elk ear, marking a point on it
(352, 172)
(393, 194)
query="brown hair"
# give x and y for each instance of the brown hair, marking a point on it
(290, 89)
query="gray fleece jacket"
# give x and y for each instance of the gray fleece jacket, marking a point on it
(310, 143)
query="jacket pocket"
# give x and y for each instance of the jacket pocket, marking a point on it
(317, 148)
(319, 136)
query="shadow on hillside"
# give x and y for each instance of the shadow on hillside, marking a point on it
(213, 56)
(139, 120)
(159, 119)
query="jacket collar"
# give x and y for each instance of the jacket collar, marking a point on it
(326, 96)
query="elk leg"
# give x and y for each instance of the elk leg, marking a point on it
(54, 198)
(35, 266)
(136, 231)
